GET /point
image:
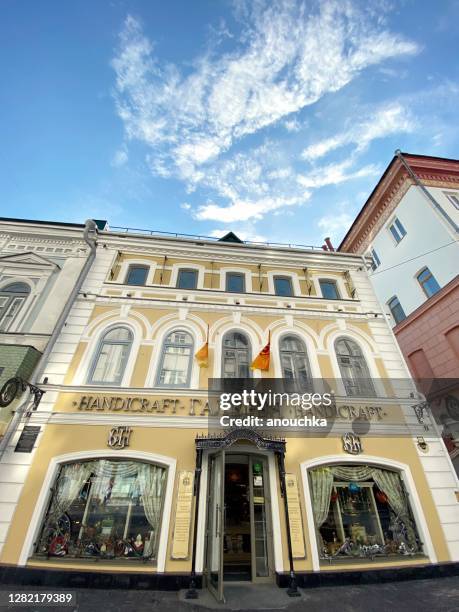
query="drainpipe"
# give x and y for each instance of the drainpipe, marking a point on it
(427, 193)
(89, 236)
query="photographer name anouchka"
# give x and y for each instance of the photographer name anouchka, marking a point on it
(256, 421)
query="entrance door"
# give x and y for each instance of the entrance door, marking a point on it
(239, 534)
(215, 525)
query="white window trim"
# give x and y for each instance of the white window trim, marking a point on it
(185, 266)
(44, 495)
(311, 350)
(151, 265)
(408, 481)
(247, 275)
(82, 373)
(339, 280)
(294, 279)
(158, 343)
(420, 287)
(455, 194)
(256, 346)
(30, 300)
(388, 226)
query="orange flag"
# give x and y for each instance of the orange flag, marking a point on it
(202, 356)
(261, 361)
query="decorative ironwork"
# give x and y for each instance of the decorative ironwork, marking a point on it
(13, 386)
(420, 410)
(220, 441)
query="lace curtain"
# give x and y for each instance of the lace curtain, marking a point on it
(68, 486)
(151, 483)
(388, 482)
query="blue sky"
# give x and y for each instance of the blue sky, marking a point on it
(271, 119)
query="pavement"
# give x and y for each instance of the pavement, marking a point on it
(427, 595)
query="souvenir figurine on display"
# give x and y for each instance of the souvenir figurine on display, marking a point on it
(138, 544)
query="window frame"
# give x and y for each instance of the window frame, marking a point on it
(397, 230)
(423, 283)
(389, 302)
(376, 261)
(347, 382)
(240, 275)
(303, 352)
(133, 267)
(179, 273)
(281, 277)
(162, 356)
(9, 298)
(330, 281)
(97, 353)
(237, 350)
(453, 198)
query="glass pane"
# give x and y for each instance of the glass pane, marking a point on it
(137, 275)
(105, 509)
(235, 283)
(187, 279)
(397, 310)
(428, 282)
(175, 366)
(110, 363)
(283, 286)
(17, 288)
(10, 311)
(329, 290)
(287, 366)
(119, 334)
(400, 228)
(395, 233)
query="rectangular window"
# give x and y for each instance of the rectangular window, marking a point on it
(137, 275)
(329, 289)
(235, 282)
(396, 309)
(376, 260)
(397, 230)
(428, 282)
(187, 279)
(283, 286)
(453, 198)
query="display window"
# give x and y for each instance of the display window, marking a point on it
(362, 511)
(104, 509)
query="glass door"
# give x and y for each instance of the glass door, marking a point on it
(260, 514)
(215, 525)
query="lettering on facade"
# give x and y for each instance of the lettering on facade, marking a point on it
(195, 406)
(119, 437)
(352, 444)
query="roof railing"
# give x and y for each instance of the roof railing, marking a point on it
(147, 232)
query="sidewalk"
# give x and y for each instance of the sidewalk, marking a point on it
(429, 595)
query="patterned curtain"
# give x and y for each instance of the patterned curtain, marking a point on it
(391, 485)
(151, 480)
(352, 472)
(321, 488)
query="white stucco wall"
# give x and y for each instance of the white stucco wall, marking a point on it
(424, 244)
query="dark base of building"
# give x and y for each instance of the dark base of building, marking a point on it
(60, 578)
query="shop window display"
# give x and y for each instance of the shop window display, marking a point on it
(362, 512)
(104, 509)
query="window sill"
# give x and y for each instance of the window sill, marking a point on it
(391, 560)
(90, 563)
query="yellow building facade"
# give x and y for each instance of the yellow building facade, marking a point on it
(125, 476)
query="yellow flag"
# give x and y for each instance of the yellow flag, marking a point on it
(261, 361)
(202, 356)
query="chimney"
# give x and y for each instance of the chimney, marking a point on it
(329, 244)
(324, 247)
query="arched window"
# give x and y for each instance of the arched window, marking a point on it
(175, 365)
(354, 369)
(12, 298)
(104, 509)
(111, 358)
(294, 361)
(236, 355)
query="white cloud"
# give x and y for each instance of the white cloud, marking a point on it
(334, 174)
(336, 224)
(287, 57)
(120, 158)
(390, 119)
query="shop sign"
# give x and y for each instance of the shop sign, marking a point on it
(119, 437)
(27, 439)
(180, 543)
(352, 444)
(294, 516)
